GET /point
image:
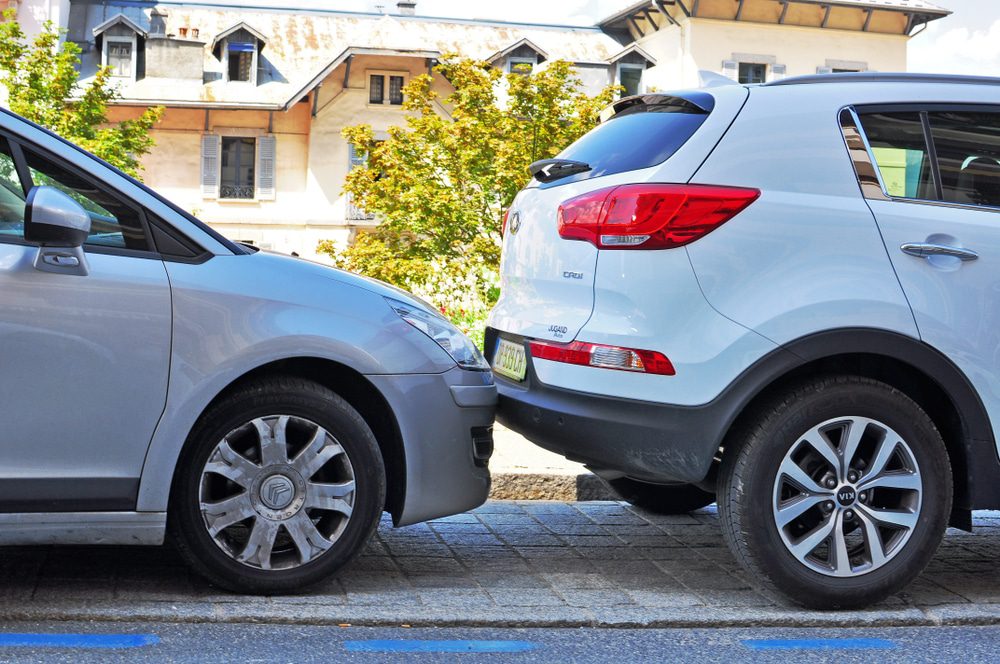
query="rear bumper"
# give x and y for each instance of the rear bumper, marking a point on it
(644, 440)
(446, 422)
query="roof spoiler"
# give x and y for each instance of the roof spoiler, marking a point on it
(682, 102)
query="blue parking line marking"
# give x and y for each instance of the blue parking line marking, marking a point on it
(97, 641)
(819, 644)
(457, 646)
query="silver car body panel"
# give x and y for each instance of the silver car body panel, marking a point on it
(145, 528)
(84, 379)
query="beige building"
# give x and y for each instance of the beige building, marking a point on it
(256, 98)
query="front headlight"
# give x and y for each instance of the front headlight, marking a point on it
(444, 334)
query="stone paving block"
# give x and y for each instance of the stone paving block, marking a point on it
(577, 580)
(499, 507)
(534, 597)
(665, 598)
(588, 598)
(572, 565)
(458, 599)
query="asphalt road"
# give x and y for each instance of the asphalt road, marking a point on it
(167, 642)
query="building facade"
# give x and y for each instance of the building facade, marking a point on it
(256, 99)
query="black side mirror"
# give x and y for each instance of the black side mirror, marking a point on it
(53, 219)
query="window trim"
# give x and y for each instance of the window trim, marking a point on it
(514, 60)
(253, 63)
(867, 159)
(256, 188)
(631, 65)
(765, 65)
(107, 39)
(17, 152)
(385, 73)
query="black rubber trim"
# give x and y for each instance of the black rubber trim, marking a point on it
(659, 442)
(73, 494)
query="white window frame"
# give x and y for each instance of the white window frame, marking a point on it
(513, 61)
(385, 89)
(631, 65)
(121, 40)
(253, 63)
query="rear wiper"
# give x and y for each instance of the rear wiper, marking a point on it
(547, 170)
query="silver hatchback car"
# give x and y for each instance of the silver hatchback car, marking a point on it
(264, 409)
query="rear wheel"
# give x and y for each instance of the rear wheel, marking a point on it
(839, 494)
(281, 485)
(661, 498)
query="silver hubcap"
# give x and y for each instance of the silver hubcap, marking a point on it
(847, 496)
(277, 492)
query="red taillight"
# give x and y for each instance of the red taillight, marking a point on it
(650, 216)
(503, 225)
(604, 357)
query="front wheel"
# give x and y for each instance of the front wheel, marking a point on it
(838, 495)
(281, 484)
(661, 498)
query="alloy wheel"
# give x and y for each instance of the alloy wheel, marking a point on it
(277, 492)
(847, 496)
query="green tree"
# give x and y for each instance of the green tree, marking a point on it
(441, 183)
(41, 79)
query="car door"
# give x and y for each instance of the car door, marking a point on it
(83, 357)
(939, 215)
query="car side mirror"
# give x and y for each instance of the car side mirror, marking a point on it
(60, 226)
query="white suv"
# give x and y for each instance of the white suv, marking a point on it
(783, 296)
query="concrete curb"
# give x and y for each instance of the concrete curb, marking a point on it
(257, 611)
(544, 486)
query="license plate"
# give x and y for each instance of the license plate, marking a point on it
(510, 360)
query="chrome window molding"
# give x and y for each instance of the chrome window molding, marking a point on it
(866, 168)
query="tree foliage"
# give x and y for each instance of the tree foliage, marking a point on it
(41, 80)
(440, 183)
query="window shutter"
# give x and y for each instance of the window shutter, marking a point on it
(777, 72)
(824, 70)
(210, 166)
(731, 69)
(266, 168)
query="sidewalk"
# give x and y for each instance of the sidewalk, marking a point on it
(531, 563)
(524, 471)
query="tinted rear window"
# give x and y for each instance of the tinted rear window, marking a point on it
(638, 137)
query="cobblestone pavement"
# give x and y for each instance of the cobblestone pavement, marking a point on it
(507, 563)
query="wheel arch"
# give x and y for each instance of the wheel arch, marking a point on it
(911, 366)
(357, 391)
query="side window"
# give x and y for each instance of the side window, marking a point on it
(897, 142)
(968, 151)
(113, 224)
(11, 196)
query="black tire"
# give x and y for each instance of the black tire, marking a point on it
(262, 398)
(661, 498)
(746, 485)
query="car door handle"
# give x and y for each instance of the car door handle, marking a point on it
(928, 249)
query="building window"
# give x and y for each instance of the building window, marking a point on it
(521, 65)
(237, 177)
(630, 78)
(241, 57)
(751, 72)
(396, 90)
(378, 93)
(119, 54)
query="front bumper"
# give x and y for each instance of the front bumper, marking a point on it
(446, 422)
(644, 440)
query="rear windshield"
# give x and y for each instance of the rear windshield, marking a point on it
(639, 136)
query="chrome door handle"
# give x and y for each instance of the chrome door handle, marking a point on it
(928, 249)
